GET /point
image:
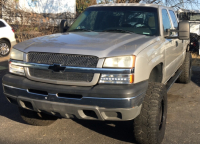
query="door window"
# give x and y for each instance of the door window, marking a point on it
(174, 20)
(2, 24)
(166, 20)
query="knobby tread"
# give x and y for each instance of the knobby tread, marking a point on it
(146, 125)
(185, 76)
(36, 119)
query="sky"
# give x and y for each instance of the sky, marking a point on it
(186, 5)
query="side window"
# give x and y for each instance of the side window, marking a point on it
(2, 24)
(166, 21)
(174, 20)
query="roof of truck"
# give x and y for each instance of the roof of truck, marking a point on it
(130, 4)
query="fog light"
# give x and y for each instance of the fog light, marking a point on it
(16, 69)
(117, 78)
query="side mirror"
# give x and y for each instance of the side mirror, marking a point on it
(167, 33)
(184, 30)
(63, 26)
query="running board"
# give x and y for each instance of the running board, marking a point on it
(173, 79)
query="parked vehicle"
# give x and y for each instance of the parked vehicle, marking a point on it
(194, 43)
(7, 38)
(194, 19)
(116, 62)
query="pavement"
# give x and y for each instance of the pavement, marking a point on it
(2, 59)
(183, 121)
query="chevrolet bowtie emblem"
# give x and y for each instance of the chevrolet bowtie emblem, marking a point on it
(57, 68)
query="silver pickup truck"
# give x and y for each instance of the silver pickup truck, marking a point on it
(115, 63)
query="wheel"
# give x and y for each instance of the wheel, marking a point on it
(149, 126)
(186, 68)
(36, 119)
(4, 48)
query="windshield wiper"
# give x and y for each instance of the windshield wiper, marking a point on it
(76, 30)
(117, 30)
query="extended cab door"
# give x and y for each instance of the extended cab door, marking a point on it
(179, 43)
(172, 47)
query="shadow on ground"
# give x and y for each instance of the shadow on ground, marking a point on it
(196, 71)
(6, 109)
(122, 131)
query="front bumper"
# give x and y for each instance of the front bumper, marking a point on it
(100, 102)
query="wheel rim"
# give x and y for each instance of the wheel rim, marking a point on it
(161, 115)
(4, 49)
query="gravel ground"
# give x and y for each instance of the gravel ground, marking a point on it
(182, 122)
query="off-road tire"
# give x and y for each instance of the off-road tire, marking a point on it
(149, 126)
(8, 44)
(36, 119)
(186, 74)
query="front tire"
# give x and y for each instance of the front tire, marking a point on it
(186, 68)
(149, 126)
(36, 119)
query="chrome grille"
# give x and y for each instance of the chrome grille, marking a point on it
(61, 76)
(63, 59)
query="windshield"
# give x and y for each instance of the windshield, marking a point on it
(140, 20)
(189, 16)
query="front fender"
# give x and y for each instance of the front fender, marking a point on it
(147, 59)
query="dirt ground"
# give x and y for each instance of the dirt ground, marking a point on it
(183, 121)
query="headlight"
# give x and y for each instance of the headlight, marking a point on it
(120, 62)
(16, 69)
(16, 55)
(117, 78)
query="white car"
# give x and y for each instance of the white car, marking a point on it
(7, 38)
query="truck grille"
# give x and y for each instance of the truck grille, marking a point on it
(63, 59)
(61, 76)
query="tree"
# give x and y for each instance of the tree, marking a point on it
(119, 1)
(128, 1)
(1, 9)
(81, 5)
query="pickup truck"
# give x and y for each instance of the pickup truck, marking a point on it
(115, 63)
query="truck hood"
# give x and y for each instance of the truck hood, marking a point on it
(100, 44)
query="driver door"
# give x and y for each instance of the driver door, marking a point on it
(171, 47)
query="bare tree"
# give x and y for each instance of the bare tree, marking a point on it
(120, 1)
(128, 1)
(0, 8)
(177, 4)
(26, 22)
(81, 5)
